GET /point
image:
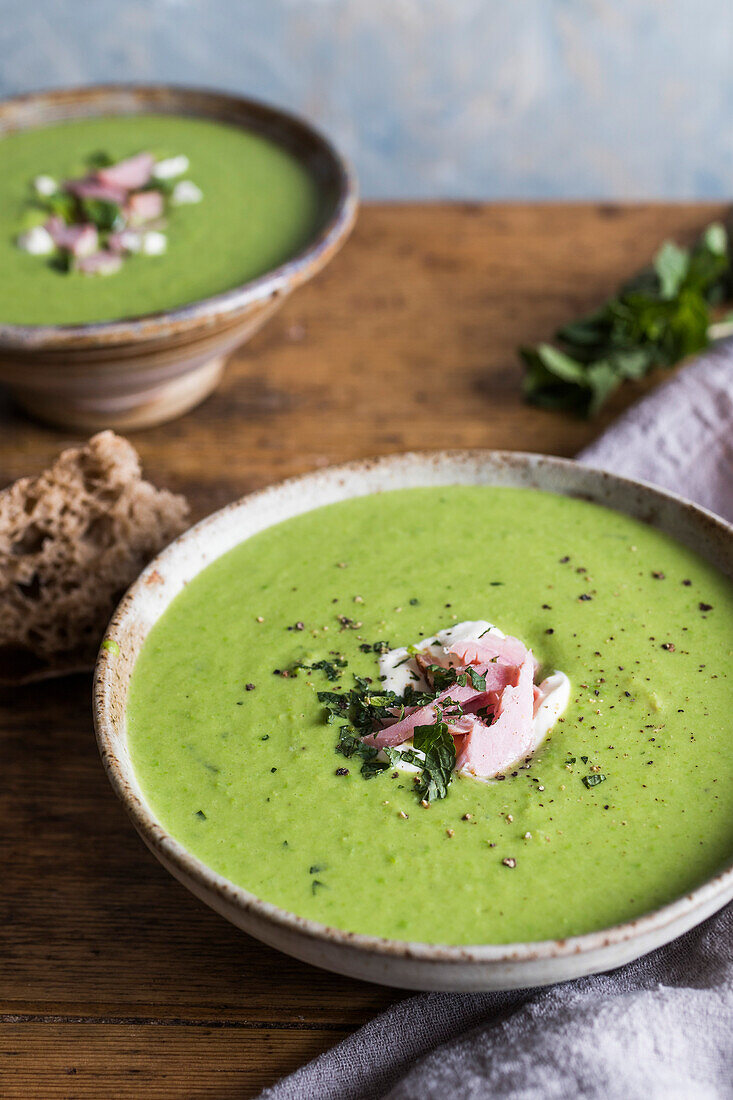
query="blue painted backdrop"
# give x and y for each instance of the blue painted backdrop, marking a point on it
(434, 98)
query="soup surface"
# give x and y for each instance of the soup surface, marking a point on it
(259, 207)
(246, 778)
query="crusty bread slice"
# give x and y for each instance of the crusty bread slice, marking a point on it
(71, 541)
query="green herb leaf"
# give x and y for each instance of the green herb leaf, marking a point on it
(440, 759)
(62, 205)
(594, 779)
(657, 318)
(107, 216)
(671, 264)
(99, 159)
(331, 669)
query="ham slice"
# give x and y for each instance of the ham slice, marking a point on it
(491, 648)
(145, 206)
(79, 240)
(401, 731)
(128, 174)
(93, 189)
(491, 750)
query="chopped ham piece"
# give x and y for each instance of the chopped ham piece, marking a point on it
(100, 263)
(79, 240)
(94, 189)
(492, 750)
(145, 206)
(129, 174)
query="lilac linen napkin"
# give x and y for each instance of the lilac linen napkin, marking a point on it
(660, 1028)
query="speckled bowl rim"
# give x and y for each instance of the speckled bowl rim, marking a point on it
(718, 888)
(286, 276)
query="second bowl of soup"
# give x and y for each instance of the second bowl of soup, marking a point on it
(144, 233)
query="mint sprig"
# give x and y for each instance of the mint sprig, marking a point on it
(656, 319)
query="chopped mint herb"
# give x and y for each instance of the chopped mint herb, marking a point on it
(100, 158)
(654, 320)
(331, 669)
(443, 678)
(107, 216)
(201, 814)
(315, 885)
(440, 759)
(594, 779)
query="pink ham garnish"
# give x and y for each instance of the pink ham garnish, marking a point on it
(423, 716)
(79, 240)
(94, 189)
(491, 750)
(100, 263)
(128, 174)
(145, 206)
(490, 648)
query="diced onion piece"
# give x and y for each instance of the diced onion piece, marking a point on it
(186, 192)
(45, 186)
(125, 240)
(153, 243)
(37, 241)
(170, 168)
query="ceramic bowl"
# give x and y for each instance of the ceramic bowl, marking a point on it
(141, 371)
(411, 965)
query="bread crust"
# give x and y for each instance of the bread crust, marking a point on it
(71, 541)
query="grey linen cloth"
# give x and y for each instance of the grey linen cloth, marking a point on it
(660, 1028)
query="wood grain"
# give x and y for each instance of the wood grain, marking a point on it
(92, 1060)
(107, 966)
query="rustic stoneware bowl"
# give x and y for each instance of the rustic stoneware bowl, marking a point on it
(411, 965)
(141, 371)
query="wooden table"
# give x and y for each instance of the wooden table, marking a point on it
(114, 981)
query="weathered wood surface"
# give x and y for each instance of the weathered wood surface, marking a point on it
(113, 979)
